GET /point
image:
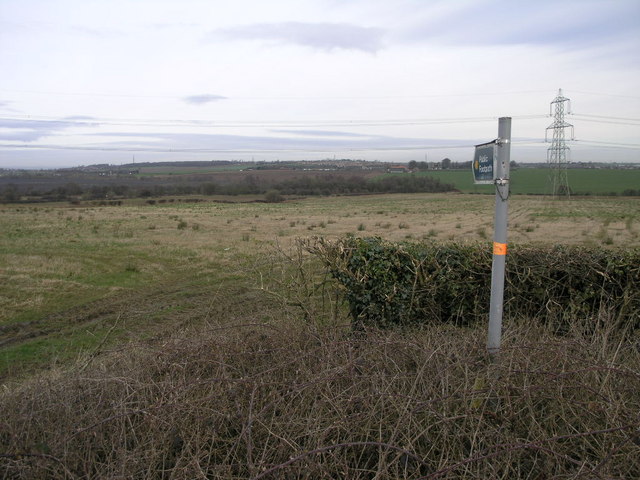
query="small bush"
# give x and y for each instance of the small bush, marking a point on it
(273, 196)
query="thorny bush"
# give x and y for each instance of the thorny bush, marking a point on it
(288, 400)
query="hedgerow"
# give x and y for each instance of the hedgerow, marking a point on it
(388, 283)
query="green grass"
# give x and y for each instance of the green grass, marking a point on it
(535, 181)
(56, 348)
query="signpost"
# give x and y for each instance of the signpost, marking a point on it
(484, 162)
(491, 165)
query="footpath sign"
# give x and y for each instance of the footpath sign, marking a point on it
(484, 164)
(495, 169)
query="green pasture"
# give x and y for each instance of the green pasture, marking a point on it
(535, 181)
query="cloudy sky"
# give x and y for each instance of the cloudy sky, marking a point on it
(94, 81)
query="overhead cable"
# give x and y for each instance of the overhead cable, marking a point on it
(96, 121)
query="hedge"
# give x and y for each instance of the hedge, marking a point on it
(388, 283)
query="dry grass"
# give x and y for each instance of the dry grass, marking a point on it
(285, 399)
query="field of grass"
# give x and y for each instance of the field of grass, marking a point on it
(535, 181)
(56, 259)
(195, 340)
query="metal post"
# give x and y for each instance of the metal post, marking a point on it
(499, 234)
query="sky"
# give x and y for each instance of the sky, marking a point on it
(113, 81)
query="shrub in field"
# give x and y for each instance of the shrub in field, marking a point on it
(389, 283)
(273, 196)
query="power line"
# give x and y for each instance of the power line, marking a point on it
(142, 149)
(600, 94)
(230, 150)
(609, 122)
(632, 146)
(227, 150)
(93, 94)
(96, 121)
(607, 119)
(288, 97)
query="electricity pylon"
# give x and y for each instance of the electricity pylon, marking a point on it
(557, 153)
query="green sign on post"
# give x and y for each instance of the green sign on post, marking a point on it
(484, 163)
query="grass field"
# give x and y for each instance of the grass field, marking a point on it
(125, 330)
(535, 181)
(58, 258)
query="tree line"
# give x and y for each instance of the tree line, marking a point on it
(327, 184)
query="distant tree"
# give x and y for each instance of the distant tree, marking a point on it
(423, 166)
(120, 190)
(63, 191)
(10, 194)
(95, 192)
(446, 163)
(251, 184)
(208, 188)
(413, 165)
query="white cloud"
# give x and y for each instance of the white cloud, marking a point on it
(322, 36)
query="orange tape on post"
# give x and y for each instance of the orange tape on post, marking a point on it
(499, 248)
